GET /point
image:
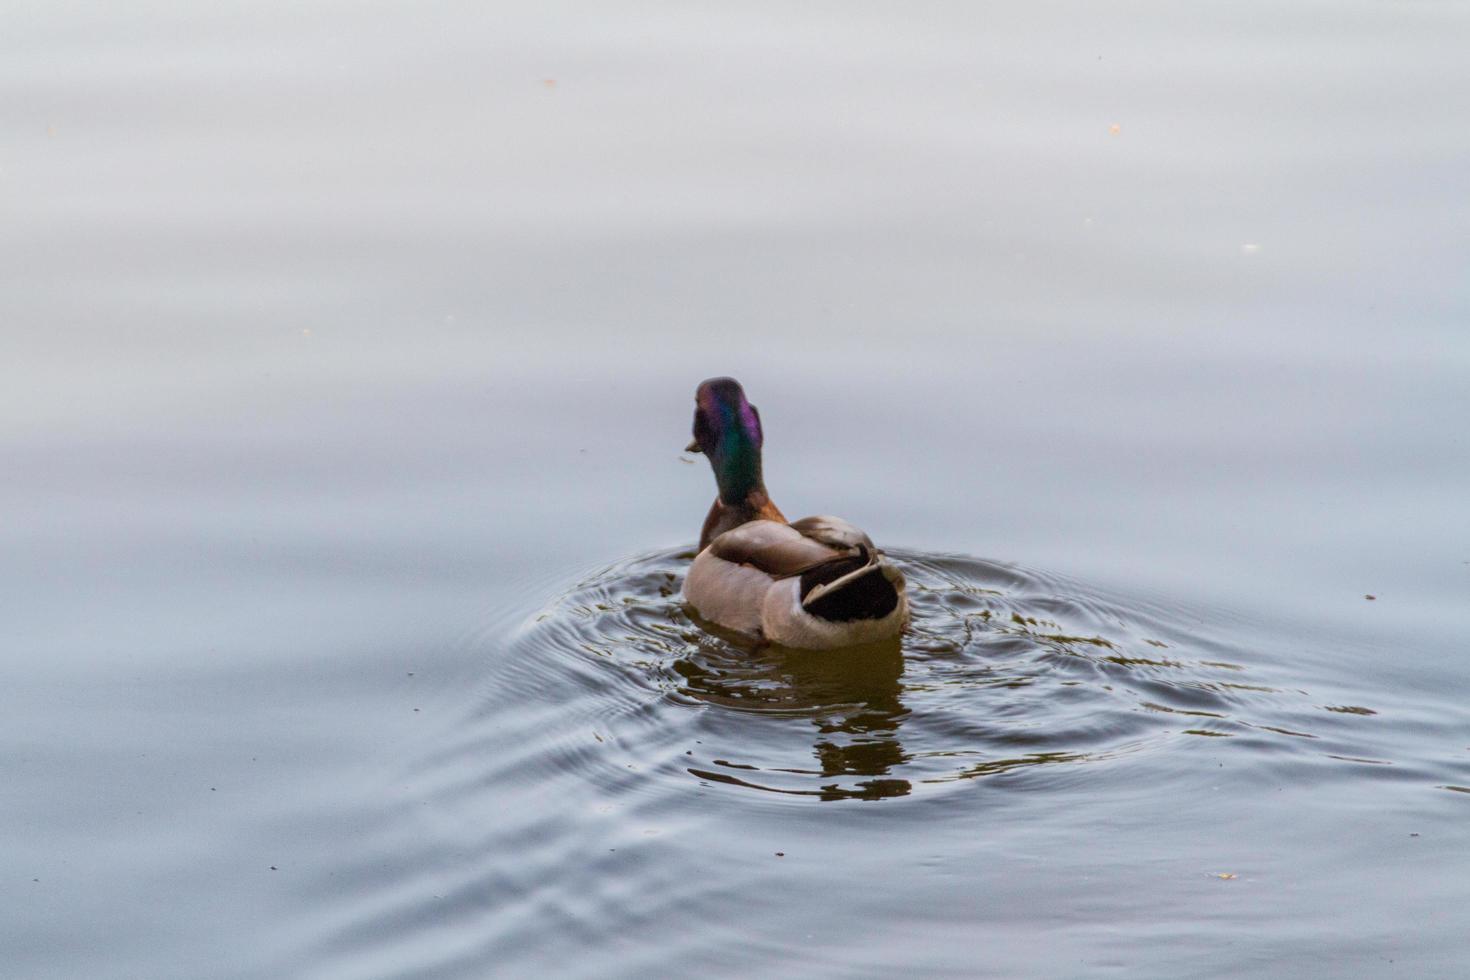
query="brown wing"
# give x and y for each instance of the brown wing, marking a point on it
(834, 532)
(779, 550)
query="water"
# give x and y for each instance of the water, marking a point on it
(1062, 762)
(347, 354)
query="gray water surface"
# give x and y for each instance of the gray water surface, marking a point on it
(347, 352)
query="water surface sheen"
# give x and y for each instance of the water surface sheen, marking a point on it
(626, 781)
(341, 344)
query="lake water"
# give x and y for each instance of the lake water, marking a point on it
(347, 355)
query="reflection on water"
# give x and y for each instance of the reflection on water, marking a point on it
(616, 743)
(332, 330)
(851, 700)
(1003, 673)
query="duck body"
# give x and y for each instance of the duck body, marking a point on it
(816, 584)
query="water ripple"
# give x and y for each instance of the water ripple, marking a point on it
(1005, 675)
(615, 743)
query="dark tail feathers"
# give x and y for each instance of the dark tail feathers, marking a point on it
(869, 595)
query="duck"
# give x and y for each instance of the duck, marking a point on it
(817, 583)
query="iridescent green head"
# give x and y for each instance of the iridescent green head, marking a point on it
(727, 429)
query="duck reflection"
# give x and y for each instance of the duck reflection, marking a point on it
(852, 698)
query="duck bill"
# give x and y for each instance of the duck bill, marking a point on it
(693, 446)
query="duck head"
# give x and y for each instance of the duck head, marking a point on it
(727, 429)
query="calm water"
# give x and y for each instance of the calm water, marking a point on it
(347, 352)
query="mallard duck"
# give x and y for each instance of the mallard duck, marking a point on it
(816, 584)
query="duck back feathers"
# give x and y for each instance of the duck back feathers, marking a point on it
(816, 584)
